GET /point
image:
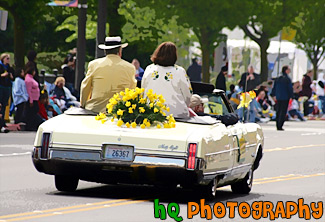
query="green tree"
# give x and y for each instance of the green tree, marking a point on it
(261, 20)
(144, 32)
(205, 18)
(310, 35)
(25, 15)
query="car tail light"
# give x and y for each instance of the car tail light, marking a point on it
(191, 161)
(45, 145)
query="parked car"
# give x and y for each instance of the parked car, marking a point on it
(199, 152)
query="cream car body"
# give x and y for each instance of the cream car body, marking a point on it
(74, 146)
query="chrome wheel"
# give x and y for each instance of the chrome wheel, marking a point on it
(244, 186)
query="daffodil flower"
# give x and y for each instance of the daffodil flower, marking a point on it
(130, 110)
(158, 126)
(166, 125)
(120, 112)
(127, 125)
(155, 110)
(141, 110)
(134, 124)
(142, 126)
(134, 106)
(128, 103)
(120, 122)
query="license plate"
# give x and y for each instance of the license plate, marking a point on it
(116, 152)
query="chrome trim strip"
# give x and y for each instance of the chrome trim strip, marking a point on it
(217, 172)
(135, 148)
(162, 155)
(251, 145)
(243, 165)
(96, 156)
(75, 155)
(169, 151)
(220, 152)
(77, 144)
(225, 171)
(168, 162)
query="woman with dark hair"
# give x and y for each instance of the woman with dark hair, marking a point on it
(33, 120)
(168, 79)
(31, 56)
(6, 76)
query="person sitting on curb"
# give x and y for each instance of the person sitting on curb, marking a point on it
(196, 108)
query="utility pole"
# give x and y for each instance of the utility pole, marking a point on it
(101, 26)
(81, 43)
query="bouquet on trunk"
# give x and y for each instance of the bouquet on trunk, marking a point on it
(132, 108)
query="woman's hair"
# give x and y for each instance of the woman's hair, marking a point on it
(58, 80)
(29, 69)
(18, 72)
(31, 55)
(165, 54)
(3, 56)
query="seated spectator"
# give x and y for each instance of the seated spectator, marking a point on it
(196, 108)
(20, 96)
(72, 99)
(33, 120)
(43, 104)
(62, 96)
(264, 109)
(231, 91)
(293, 111)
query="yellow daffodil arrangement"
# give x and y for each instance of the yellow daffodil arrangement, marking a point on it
(132, 108)
(246, 98)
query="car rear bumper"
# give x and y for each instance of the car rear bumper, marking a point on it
(90, 166)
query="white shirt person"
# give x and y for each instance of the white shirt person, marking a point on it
(168, 79)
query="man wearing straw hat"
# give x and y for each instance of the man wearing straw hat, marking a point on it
(106, 76)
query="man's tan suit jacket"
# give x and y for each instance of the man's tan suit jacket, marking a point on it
(105, 77)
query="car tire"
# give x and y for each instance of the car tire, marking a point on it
(66, 183)
(244, 186)
(210, 190)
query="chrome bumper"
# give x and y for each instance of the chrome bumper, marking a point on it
(96, 156)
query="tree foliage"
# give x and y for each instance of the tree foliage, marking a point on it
(144, 28)
(310, 35)
(261, 20)
(22, 22)
(205, 18)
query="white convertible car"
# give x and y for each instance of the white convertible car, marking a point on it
(199, 152)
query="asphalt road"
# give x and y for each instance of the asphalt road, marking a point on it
(293, 167)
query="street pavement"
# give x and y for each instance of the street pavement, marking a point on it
(293, 167)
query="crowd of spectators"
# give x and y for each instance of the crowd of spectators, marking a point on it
(34, 102)
(307, 100)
